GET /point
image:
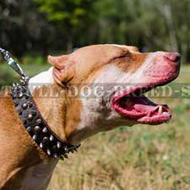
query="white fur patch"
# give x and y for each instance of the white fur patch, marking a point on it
(43, 79)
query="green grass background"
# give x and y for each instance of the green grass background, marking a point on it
(138, 158)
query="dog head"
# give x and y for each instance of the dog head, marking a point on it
(112, 80)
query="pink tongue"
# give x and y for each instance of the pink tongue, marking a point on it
(143, 104)
(143, 108)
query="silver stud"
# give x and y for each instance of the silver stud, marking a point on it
(41, 145)
(20, 95)
(29, 129)
(51, 138)
(66, 149)
(34, 137)
(55, 155)
(14, 86)
(58, 145)
(38, 121)
(30, 116)
(44, 130)
(37, 128)
(24, 106)
(49, 152)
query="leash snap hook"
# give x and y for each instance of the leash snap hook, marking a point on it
(15, 66)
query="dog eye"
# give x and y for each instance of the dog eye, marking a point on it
(125, 55)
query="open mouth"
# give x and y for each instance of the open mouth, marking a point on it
(134, 105)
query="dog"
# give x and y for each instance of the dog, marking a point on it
(100, 68)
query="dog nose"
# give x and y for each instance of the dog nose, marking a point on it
(173, 56)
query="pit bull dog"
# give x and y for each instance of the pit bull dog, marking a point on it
(24, 166)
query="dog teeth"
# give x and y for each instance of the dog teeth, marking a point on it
(160, 109)
(165, 113)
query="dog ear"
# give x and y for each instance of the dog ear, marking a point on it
(64, 69)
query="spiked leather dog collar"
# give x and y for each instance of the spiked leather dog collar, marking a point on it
(31, 118)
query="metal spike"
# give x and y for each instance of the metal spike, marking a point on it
(66, 149)
(41, 145)
(34, 137)
(24, 106)
(37, 128)
(44, 130)
(19, 87)
(38, 121)
(49, 152)
(20, 95)
(30, 116)
(51, 138)
(55, 155)
(24, 89)
(58, 145)
(29, 129)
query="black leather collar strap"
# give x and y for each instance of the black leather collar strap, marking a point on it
(36, 126)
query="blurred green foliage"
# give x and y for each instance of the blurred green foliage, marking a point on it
(43, 26)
